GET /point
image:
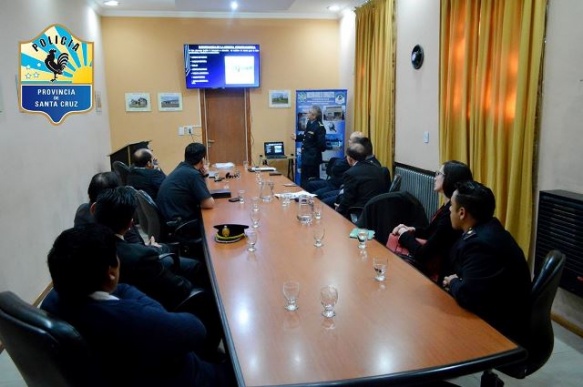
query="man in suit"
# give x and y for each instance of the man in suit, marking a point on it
(491, 277)
(362, 181)
(134, 339)
(335, 170)
(145, 174)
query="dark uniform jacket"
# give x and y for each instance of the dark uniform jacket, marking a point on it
(313, 143)
(494, 279)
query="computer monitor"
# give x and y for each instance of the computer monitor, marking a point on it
(274, 150)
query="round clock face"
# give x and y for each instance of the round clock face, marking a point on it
(417, 57)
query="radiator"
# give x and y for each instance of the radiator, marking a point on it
(419, 183)
(560, 226)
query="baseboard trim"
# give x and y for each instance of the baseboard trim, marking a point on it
(567, 324)
(35, 303)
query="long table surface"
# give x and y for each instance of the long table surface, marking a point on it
(400, 331)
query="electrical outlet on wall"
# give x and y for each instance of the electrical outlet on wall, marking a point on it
(426, 136)
(181, 130)
(189, 129)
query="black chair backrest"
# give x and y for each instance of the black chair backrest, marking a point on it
(396, 184)
(46, 350)
(541, 338)
(543, 292)
(122, 171)
(383, 212)
(154, 225)
(387, 174)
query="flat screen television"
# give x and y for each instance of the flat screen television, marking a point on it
(212, 66)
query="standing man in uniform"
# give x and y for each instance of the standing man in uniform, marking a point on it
(313, 144)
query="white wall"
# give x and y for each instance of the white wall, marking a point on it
(417, 91)
(346, 63)
(45, 168)
(560, 152)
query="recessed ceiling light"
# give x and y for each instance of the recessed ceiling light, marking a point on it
(111, 3)
(234, 5)
(334, 8)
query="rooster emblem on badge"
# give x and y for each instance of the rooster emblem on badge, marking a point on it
(58, 66)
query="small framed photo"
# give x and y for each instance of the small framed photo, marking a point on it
(169, 102)
(279, 98)
(138, 102)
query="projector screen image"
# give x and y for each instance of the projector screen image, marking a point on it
(211, 66)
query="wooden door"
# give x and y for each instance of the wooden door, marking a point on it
(226, 125)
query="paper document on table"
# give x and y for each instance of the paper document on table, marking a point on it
(295, 195)
(224, 165)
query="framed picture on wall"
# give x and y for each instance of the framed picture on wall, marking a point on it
(138, 102)
(279, 99)
(169, 102)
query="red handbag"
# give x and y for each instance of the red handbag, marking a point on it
(395, 247)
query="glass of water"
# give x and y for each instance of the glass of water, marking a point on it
(379, 265)
(255, 216)
(362, 236)
(328, 298)
(251, 236)
(291, 292)
(318, 232)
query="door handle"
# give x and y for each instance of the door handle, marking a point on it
(210, 141)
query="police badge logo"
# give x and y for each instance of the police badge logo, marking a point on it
(56, 74)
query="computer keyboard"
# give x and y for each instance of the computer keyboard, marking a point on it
(261, 169)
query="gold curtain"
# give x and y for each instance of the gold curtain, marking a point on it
(374, 95)
(491, 62)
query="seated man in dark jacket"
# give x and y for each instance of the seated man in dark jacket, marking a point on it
(100, 182)
(491, 277)
(145, 174)
(141, 265)
(135, 341)
(362, 181)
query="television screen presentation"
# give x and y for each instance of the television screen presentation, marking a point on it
(211, 66)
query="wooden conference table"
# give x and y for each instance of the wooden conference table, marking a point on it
(405, 330)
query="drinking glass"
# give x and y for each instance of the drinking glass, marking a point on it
(258, 177)
(318, 233)
(317, 210)
(255, 202)
(286, 199)
(291, 292)
(380, 267)
(245, 165)
(255, 216)
(251, 236)
(328, 298)
(241, 194)
(362, 236)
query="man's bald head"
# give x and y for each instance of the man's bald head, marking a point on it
(142, 157)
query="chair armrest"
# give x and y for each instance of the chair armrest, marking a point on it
(196, 300)
(175, 259)
(190, 230)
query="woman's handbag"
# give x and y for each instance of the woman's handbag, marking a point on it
(401, 251)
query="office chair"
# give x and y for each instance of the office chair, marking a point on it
(385, 211)
(188, 234)
(540, 339)
(121, 170)
(396, 184)
(46, 350)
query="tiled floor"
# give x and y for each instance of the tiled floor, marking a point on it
(564, 368)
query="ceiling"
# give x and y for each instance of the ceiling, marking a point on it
(316, 9)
